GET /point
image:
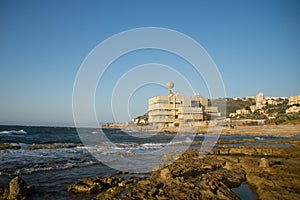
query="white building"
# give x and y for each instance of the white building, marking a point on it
(260, 102)
(293, 109)
(294, 100)
(177, 110)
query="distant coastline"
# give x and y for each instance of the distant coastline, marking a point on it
(283, 130)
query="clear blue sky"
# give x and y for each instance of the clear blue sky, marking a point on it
(255, 44)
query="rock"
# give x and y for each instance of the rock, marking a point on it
(83, 188)
(4, 192)
(95, 184)
(166, 175)
(51, 146)
(214, 188)
(111, 193)
(17, 189)
(243, 150)
(144, 183)
(252, 150)
(9, 146)
(264, 163)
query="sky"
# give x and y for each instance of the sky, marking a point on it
(254, 44)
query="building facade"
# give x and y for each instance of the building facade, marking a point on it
(294, 100)
(292, 109)
(260, 102)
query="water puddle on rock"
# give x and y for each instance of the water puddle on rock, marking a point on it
(244, 192)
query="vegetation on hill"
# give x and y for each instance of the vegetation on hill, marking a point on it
(142, 120)
(231, 105)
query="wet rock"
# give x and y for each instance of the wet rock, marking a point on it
(275, 162)
(231, 178)
(9, 146)
(4, 192)
(18, 189)
(51, 146)
(213, 188)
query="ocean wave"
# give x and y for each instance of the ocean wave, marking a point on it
(107, 148)
(27, 161)
(174, 143)
(13, 132)
(46, 166)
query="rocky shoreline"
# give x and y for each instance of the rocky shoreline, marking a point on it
(273, 172)
(270, 168)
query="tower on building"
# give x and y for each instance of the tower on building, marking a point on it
(170, 85)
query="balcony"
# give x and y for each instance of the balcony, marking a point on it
(156, 112)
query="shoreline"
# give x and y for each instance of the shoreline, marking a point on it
(264, 130)
(258, 130)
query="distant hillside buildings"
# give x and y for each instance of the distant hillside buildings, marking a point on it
(261, 102)
(177, 110)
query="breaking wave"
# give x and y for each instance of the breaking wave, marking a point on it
(19, 132)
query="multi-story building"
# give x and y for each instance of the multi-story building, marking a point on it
(240, 112)
(294, 100)
(260, 102)
(293, 109)
(177, 110)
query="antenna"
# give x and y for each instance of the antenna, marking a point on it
(170, 85)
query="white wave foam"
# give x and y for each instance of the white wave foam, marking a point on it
(19, 132)
(95, 132)
(258, 138)
(154, 144)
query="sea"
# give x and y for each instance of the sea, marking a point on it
(50, 171)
